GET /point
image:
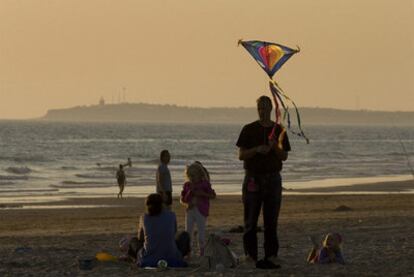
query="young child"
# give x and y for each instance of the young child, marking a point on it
(330, 252)
(164, 183)
(196, 195)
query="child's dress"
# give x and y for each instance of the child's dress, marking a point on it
(198, 209)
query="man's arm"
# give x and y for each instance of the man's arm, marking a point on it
(277, 147)
(245, 154)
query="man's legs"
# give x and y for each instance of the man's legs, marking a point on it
(168, 199)
(272, 197)
(121, 189)
(252, 203)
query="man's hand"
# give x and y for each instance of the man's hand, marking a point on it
(263, 149)
(278, 148)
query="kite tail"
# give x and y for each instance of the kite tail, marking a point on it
(275, 88)
(279, 103)
(278, 99)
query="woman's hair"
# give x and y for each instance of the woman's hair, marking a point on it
(154, 204)
(195, 173)
(332, 240)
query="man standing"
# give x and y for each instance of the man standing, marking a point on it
(262, 183)
(163, 176)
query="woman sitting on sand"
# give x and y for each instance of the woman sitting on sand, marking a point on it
(330, 252)
(156, 237)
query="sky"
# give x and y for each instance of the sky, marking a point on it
(355, 54)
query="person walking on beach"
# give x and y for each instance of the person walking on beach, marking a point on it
(121, 178)
(262, 185)
(163, 176)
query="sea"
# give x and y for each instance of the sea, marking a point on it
(50, 161)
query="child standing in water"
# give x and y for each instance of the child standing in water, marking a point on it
(196, 195)
(163, 176)
(121, 178)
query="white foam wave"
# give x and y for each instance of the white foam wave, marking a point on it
(19, 170)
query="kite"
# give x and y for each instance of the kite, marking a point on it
(271, 57)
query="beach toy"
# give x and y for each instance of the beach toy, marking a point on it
(162, 264)
(105, 257)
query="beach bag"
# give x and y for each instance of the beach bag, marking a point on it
(218, 255)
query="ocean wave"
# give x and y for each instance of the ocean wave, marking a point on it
(92, 176)
(34, 191)
(6, 183)
(77, 183)
(13, 177)
(69, 167)
(19, 170)
(329, 154)
(74, 184)
(106, 168)
(33, 158)
(151, 161)
(400, 153)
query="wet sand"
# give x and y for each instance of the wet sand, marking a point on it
(377, 231)
(406, 186)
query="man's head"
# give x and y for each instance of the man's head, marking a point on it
(165, 156)
(264, 107)
(121, 166)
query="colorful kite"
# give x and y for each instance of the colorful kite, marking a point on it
(271, 57)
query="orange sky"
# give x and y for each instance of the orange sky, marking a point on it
(356, 54)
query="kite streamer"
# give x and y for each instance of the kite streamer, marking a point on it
(271, 57)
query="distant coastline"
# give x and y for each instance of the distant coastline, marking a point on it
(142, 112)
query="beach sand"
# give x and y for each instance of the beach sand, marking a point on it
(378, 232)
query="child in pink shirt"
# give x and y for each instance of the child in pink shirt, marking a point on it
(196, 195)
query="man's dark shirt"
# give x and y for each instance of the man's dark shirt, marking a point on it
(254, 134)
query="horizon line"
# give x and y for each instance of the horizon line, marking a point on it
(198, 107)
